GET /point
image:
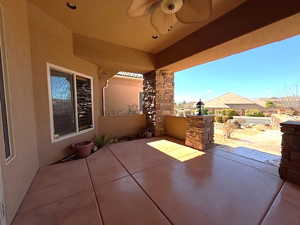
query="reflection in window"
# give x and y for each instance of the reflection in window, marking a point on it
(63, 103)
(84, 103)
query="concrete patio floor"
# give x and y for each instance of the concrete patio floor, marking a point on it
(156, 182)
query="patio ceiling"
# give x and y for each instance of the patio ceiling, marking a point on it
(106, 36)
(108, 21)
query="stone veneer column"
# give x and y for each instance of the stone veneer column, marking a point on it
(290, 148)
(158, 98)
(200, 132)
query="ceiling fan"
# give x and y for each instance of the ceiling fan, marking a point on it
(164, 14)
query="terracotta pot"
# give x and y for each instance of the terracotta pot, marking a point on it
(84, 149)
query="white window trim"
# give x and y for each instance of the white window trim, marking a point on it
(74, 73)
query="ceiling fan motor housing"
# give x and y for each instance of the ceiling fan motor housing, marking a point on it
(171, 6)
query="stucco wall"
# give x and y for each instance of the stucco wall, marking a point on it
(121, 93)
(52, 42)
(176, 127)
(120, 126)
(18, 174)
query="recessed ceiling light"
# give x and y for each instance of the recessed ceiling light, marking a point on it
(71, 6)
(155, 37)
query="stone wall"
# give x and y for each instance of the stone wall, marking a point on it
(158, 99)
(290, 162)
(200, 132)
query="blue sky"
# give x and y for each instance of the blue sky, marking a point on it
(269, 71)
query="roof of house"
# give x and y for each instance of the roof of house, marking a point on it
(130, 75)
(224, 101)
(260, 101)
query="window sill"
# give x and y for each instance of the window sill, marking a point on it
(55, 140)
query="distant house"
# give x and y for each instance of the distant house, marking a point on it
(284, 102)
(232, 101)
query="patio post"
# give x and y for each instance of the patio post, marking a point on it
(158, 99)
(290, 161)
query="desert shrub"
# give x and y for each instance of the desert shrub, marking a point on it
(236, 124)
(226, 118)
(228, 129)
(218, 112)
(254, 113)
(229, 112)
(270, 104)
(222, 119)
(219, 119)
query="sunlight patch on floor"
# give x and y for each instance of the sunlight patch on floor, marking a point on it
(174, 150)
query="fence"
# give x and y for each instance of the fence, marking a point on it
(253, 120)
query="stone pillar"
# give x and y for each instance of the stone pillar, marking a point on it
(158, 98)
(200, 132)
(290, 149)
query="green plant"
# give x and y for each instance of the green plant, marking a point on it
(222, 119)
(270, 104)
(219, 119)
(205, 111)
(101, 141)
(226, 118)
(254, 113)
(229, 112)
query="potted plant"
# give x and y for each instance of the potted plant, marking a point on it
(101, 141)
(83, 149)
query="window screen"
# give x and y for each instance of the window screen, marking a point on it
(62, 90)
(84, 103)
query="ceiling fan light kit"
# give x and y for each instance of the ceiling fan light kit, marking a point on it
(171, 6)
(71, 5)
(165, 14)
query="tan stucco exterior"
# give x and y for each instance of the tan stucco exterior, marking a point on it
(51, 42)
(175, 126)
(19, 172)
(122, 95)
(121, 126)
(34, 38)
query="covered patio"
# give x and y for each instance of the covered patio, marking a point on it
(56, 60)
(159, 181)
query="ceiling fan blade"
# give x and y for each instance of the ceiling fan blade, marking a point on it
(194, 11)
(140, 7)
(162, 22)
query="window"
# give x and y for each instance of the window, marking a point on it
(71, 102)
(5, 120)
(4, 114)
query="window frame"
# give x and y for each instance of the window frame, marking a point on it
(7, 93)
(74, 74)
